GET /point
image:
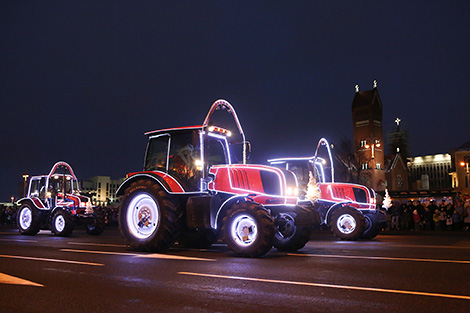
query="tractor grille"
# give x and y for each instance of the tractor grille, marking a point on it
(338, 192)
(240, 179)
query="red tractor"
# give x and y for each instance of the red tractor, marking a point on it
(350, 210)
(193, 190)
(54, 202)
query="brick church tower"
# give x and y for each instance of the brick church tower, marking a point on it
(368, 138)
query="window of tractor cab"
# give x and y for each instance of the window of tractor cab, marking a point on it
(216, 150)
(34, 187)
(184, 158)
(61, 183)
(157, 152)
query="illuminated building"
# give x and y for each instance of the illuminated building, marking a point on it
(430, 172)
(368, 138)
(102, 189)
(461, 168)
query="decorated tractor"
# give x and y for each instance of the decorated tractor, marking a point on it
(350, 210)
(196, 187)
(53, 202)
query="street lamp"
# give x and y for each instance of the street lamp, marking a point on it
(25, 176)
(464, 163)
(375, 144)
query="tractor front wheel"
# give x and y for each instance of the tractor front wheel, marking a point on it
(290, 237)
(347, 223)
(62, 223)
(94, 226)
(248, 229)
(372, 227)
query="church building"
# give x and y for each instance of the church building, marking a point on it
(368, 137)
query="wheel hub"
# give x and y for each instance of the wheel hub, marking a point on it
(244, 230)
(286, 227)
(59, 223)
(142, 216)
(346, 223)
(25, 218)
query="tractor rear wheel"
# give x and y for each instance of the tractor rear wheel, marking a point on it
(28, 219)
(248, 229)
(148, 218)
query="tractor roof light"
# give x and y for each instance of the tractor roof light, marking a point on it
(216, 129)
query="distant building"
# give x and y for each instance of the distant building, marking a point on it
(461, 168)
(396, 173)
(430, 172)
(102, 189)
(368, 138)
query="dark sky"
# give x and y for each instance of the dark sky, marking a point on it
(81, 81)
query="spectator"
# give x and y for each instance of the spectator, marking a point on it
(457, 217)
(433, 209)
(466, 215)
(428, 217)
(395, 215)
(442, 215)
(416, 219)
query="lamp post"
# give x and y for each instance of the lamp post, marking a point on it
(375, 144)
(25, 176)
(464, 163)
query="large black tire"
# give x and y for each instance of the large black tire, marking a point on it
(288, 236)
(28, 219)
(62, 223)
(94, 226)
(198, 239)
(248, 229)
(372, 228)
(148, 218)
(347, 223)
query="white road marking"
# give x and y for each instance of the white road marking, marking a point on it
(48, 260)
(141, 255)
(95, 244)
(384, 244)
(287, 282)
(12, 280)
(378, 258)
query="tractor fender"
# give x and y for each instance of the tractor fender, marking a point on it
(38, 205)
(216, 222)
(147, 176)
(334, 207)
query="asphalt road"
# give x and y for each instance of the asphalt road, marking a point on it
(81, 273)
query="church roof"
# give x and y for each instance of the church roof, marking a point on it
(365, 98)
(391, 161)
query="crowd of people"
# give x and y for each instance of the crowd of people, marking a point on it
(430, 215)
(7, 214)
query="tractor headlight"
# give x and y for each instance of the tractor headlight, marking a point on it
(292, 191)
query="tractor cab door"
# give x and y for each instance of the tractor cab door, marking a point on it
(38, 190)
(216, 151)
(177, 153)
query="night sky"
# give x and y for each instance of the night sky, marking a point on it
(81, 81)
